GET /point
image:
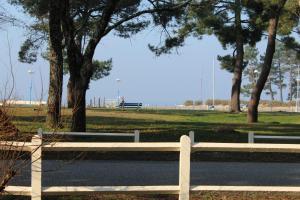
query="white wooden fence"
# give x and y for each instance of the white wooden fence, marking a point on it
(135, 134)
(252, 137)
(184, 147)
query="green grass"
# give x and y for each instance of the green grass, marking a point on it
(169, 125)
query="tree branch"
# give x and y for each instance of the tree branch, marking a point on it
(101, 27)
(110, 28)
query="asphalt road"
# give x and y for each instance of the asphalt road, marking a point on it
(101, 173)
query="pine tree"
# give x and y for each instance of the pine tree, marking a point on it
(281, 19)
(233, 25)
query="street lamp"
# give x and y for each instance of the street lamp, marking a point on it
(213, 74)
(298, 98)
(118, 97)
(30, 72)
(255, 73)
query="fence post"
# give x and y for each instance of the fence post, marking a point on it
(250, 137)
(192, 136)
(184, 168)
(136, 136)
(36, 166)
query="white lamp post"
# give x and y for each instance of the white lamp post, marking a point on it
(118, 97)
(213, 83)
(30, 72)
(255, 74)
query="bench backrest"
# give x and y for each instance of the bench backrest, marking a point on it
(131, 105)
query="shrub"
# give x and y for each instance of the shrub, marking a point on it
(189, 103)
(217, 102)
(198, 103)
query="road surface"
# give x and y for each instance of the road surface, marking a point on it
(101, 173)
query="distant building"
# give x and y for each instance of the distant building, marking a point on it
(24, 103)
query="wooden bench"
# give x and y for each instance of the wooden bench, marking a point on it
(130, 105)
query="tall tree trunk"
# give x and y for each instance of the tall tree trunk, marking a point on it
(70, 97)
(255, 97)
(79, 82)
(236, 84)
(56, 65)
(238, 66)
(78, 112)
(54, 93)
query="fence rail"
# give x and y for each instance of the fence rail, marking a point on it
(15, 146)
(184, 147)
(135, 134)
(116, 146)
(252, 137)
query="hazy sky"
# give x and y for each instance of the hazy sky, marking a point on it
(165, 80)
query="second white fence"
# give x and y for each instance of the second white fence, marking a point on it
(135, 134)
(252, 137)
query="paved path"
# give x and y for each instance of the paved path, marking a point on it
(93, 172)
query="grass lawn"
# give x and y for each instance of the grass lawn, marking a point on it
(169, 125)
